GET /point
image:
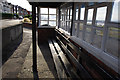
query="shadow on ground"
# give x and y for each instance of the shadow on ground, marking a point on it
(48, 57)
(9, 50)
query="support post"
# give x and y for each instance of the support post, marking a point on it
(34, 38)
(72, 19)
(38, 11)
(59, 15)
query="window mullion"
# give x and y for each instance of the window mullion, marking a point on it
(48, 16)
(39, 17)
(69, 22)
(105, 31)
(85, 21)
(93, 24)
(79, 10)
(74, 16)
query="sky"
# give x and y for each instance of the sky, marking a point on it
(23, 3)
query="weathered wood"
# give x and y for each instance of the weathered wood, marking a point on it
(89, 64)
(65, 61)
(60, 70)
(72, 19)
(44, 34)
(83, 73)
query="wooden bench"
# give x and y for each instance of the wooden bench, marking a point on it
(64, 67)
(86, 65)
(74, 62)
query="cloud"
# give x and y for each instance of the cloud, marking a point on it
(23, 3)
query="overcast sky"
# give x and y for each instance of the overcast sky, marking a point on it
(23, 3)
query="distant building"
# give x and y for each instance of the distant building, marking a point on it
(6, 7)
(0, 6)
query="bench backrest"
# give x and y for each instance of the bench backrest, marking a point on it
(83, 62)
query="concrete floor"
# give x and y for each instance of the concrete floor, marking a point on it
(19, 63)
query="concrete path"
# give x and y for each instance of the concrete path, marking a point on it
(13, 65)
(42, 66)
(19, 64)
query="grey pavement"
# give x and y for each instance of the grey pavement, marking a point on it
(19, 65)
(9, 22)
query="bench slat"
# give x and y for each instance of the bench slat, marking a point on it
(65, 61)
(60, 70)
(83, 73)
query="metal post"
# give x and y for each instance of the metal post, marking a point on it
(34, 38)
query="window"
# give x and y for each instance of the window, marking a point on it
(77, 9)
(52, 23)
(76, 25)
(100, 19)
(113, 41)
(97, 38)
(44, 22)
(87, 35)
(115, 12)
(44, 10)
(66, 16)
(44, 17)
(52, 11)
(80, 30)
(52, 17)
(90, 16)
(48, 16)
(82, 13)
(99, 34)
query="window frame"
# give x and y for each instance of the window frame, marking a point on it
(48, 16)
(111, 59)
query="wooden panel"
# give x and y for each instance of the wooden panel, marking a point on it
(60, 70)
(65, 61)
(95, 67)
(82, 72)
(44, 34)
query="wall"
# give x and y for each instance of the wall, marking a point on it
(9, 34)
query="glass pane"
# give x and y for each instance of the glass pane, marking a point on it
(67, 23)
(81, 26)
(52, 23)
(100, 19)
(76, 28)
(80, 30)
(115, 12)
(52, 17)
(68, 12)
(43, 22)
(44, 17)
(113, 41)
(82, 13)
(70, 17)
(52, 11)
(90, 16)
(97, 38)
(44, 10)
(71, 12)
(87, 35)
(77, 13)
